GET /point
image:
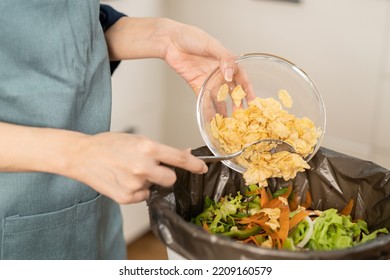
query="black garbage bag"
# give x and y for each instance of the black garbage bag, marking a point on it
(332, 180)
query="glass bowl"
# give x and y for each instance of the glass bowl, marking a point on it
(264, 75)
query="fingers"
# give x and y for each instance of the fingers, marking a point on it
(162, 175)
(133, 197)
(225, 57)
(156, 161)
(178, 158)
(227, 66)
(140, 195)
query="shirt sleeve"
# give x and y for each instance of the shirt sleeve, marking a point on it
(108, 16)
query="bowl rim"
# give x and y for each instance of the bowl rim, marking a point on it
(265, 56)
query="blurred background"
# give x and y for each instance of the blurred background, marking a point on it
(343, 45)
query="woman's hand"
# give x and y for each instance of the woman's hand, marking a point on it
(190, 51)
(194, 54)
(123, 166)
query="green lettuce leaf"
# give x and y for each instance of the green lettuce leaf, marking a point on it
(300, 232)
(373, 235)
(335, 231)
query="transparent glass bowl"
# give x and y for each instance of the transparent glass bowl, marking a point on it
(266, 74)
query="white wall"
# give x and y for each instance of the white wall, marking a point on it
(344, 46)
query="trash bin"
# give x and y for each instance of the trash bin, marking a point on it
(333, 179)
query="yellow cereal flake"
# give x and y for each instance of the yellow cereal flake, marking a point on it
(273, 214)
(223, 92)
(283, 199)
(237, 95)
(285, 98)
(265, 118)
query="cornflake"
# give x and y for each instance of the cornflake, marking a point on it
(265, 118)
(222, 92)
(273, 214)
(285, 98)
(237, 95)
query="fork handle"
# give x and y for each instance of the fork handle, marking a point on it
(211, 158)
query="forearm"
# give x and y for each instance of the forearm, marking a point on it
(119, 165)
(133, 38)
(28, 149)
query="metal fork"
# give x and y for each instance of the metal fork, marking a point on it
(280, 146)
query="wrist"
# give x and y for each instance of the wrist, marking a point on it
(134, 38)
(32, 149)
(65, 148)
(163, 33)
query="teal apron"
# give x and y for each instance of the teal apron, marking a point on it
(54, 72)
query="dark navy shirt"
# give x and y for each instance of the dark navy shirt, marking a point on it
(108, 16)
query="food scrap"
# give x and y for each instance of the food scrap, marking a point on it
(265, 118)
(238, 94)
(285, 98)
(274, 221)
(223, 92)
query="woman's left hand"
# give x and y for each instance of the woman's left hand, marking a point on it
(190, 51)
(194, 54)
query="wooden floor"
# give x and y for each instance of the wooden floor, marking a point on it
(147, 247)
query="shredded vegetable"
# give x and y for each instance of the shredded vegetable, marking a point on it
(277, 221)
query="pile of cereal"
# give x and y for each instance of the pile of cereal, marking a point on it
(265, 118)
